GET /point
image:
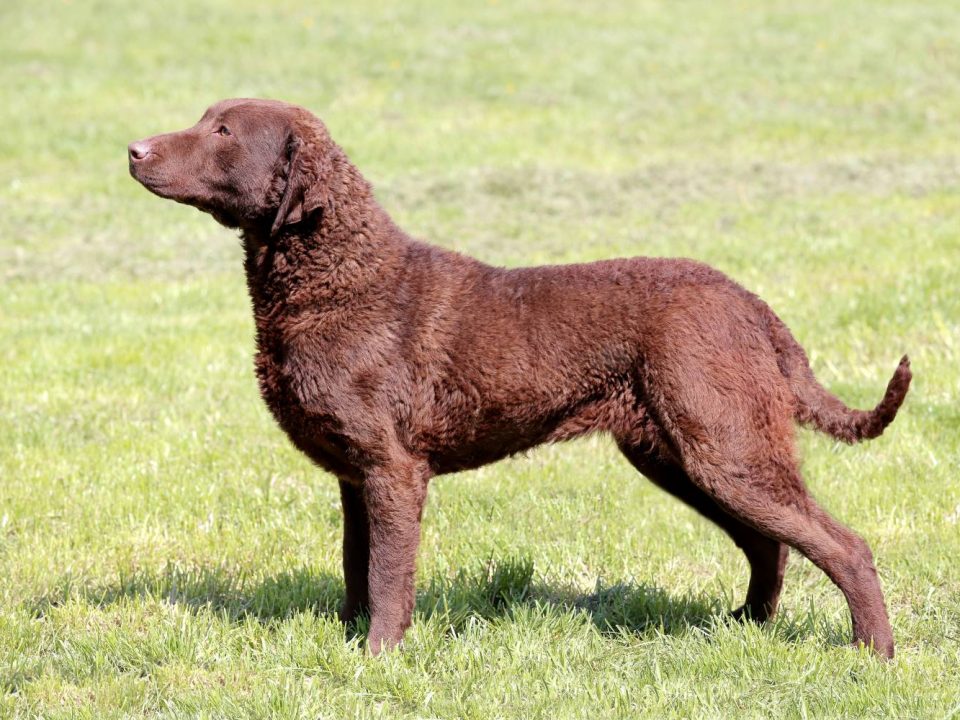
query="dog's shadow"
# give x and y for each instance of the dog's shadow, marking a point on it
(490, 590)
(501, 588)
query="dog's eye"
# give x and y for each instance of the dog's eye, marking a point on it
(224, 131)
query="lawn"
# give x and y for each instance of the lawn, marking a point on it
(166, 553)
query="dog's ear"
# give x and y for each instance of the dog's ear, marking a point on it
(306, 181)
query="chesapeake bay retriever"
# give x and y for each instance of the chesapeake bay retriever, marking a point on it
(388, 361)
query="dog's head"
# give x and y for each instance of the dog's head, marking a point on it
(249, 163)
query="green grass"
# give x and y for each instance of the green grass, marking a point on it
(166, 553)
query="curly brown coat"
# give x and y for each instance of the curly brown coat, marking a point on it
(388, 361)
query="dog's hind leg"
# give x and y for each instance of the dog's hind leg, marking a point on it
(727, 415)
(740, 453)
(771, 498)
(767, 557)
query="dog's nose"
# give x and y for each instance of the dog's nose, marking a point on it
(139, 150)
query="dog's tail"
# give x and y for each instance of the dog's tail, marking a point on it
(818, 407)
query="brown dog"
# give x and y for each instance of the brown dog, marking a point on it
(388, 361)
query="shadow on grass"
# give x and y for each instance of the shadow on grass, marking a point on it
(498, 588)
(491, 590)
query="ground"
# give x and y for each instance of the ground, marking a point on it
(166, 553)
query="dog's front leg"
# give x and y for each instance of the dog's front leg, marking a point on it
(394, 497)
(356, 551)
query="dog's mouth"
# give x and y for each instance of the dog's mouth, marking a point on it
(152, 181)
(159, 184)
(162, 187)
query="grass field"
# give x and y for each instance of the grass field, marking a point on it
(166, 553)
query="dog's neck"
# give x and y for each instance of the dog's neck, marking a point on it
(338, 255)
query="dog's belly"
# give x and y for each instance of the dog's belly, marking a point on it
(622, 415)
(480, 450)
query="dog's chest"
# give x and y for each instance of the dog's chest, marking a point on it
(298, 390)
